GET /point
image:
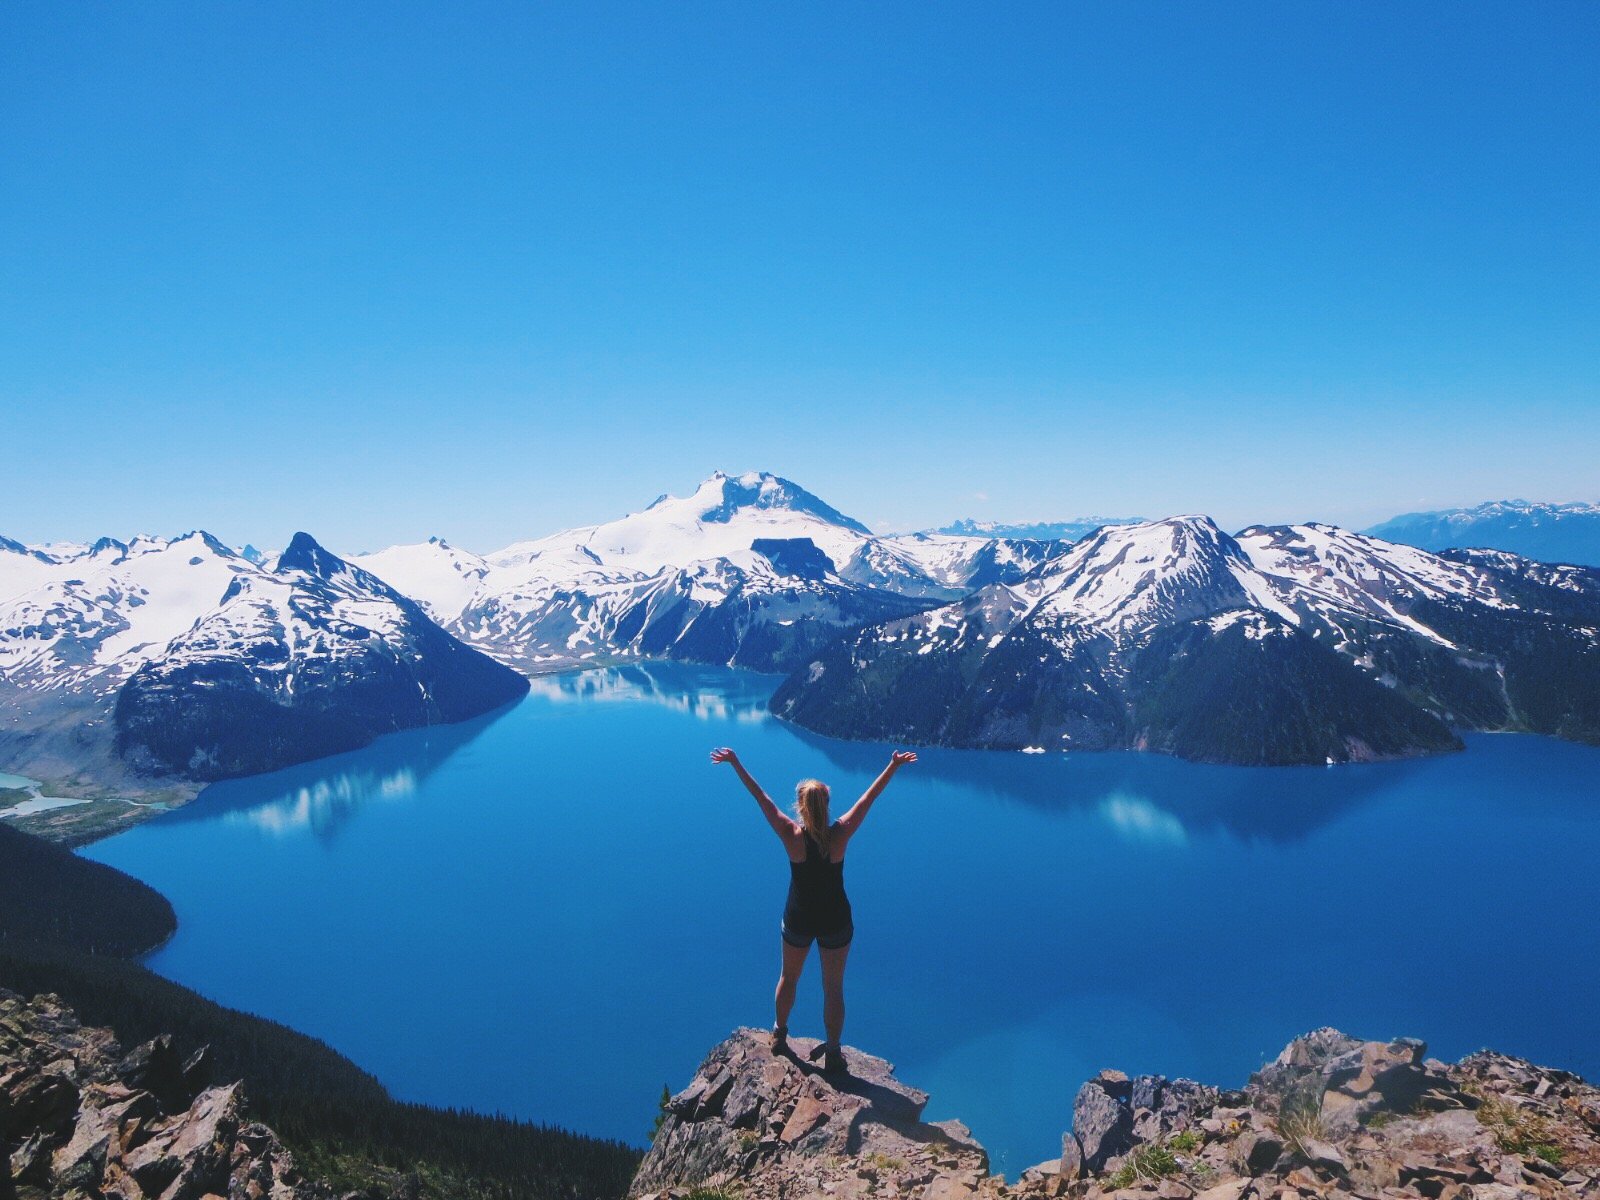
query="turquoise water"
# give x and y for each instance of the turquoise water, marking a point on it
(553, 911)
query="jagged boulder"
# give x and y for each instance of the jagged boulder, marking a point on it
(1335, 1116)
(159, 1068)
(1102, 1119)
(80, 1120)
(1112, 1114)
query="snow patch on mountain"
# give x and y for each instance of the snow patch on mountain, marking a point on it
(646, 584)
(434, 573)
(91, 620)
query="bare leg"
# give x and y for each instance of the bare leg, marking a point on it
(833, 991)
(794, 960)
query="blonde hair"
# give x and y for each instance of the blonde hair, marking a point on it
(811, 806)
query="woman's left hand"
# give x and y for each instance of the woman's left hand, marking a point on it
(901, 757)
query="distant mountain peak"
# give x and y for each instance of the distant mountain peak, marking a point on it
(15, 547)
(305, 553)
(1548, 531)
(103, 545)
(1063, 531)
(1177, 529)
(1124, 577)
(212, 543)
(723, 495)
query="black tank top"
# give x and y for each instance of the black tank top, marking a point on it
(817, 903)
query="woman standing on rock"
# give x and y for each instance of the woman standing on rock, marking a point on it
(817, 909)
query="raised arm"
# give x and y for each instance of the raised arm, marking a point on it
(851, 821)
(786, 829)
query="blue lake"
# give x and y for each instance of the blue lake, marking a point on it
(555, 910)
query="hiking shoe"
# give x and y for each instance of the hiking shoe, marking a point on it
(780, 1039)
(832, 1059)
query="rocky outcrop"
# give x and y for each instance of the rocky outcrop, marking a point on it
(772, 1126)
(1112, 1114)
(79, 1119)
(1331, 1117)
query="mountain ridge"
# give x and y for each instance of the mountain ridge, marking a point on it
(1174, 635)
(1278, 644)
(1069, 530)
(683, 577)
(162, 660)
(1552, 532)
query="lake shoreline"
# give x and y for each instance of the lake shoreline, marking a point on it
(1126, 879)
(151, 796)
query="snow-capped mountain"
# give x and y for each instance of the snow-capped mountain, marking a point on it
(720, 518)
(309, 659)
(1053, 531)
(1304, 643)
(207, 661)
(86, 621)
(1567, 533)
(24, 567)
(944, 566)
(751, 570)
(435, 574)
(1283, 644)
(185, 650)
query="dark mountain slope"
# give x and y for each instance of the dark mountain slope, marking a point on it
(1287, 644)
(49, 894)
(317, 658)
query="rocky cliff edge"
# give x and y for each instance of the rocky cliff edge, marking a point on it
(1331, 1117)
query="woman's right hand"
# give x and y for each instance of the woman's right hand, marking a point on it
(722, 754)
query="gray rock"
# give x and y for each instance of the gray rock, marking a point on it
(1165, 1106)
(46, 1101)
(90, 1133)
(1041, 1172)
(1258, 1151)
(957, 1134)
(192, 1157)
(846, 1140)
(1102, 1119)
(30, 1162)
(1324, 1156)
(82, 1160)
(160, 1068)
(1071, 1156)
(1299, 1061)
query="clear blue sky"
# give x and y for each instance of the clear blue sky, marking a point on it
(383, 271)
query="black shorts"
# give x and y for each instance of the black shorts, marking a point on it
(801, 939)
